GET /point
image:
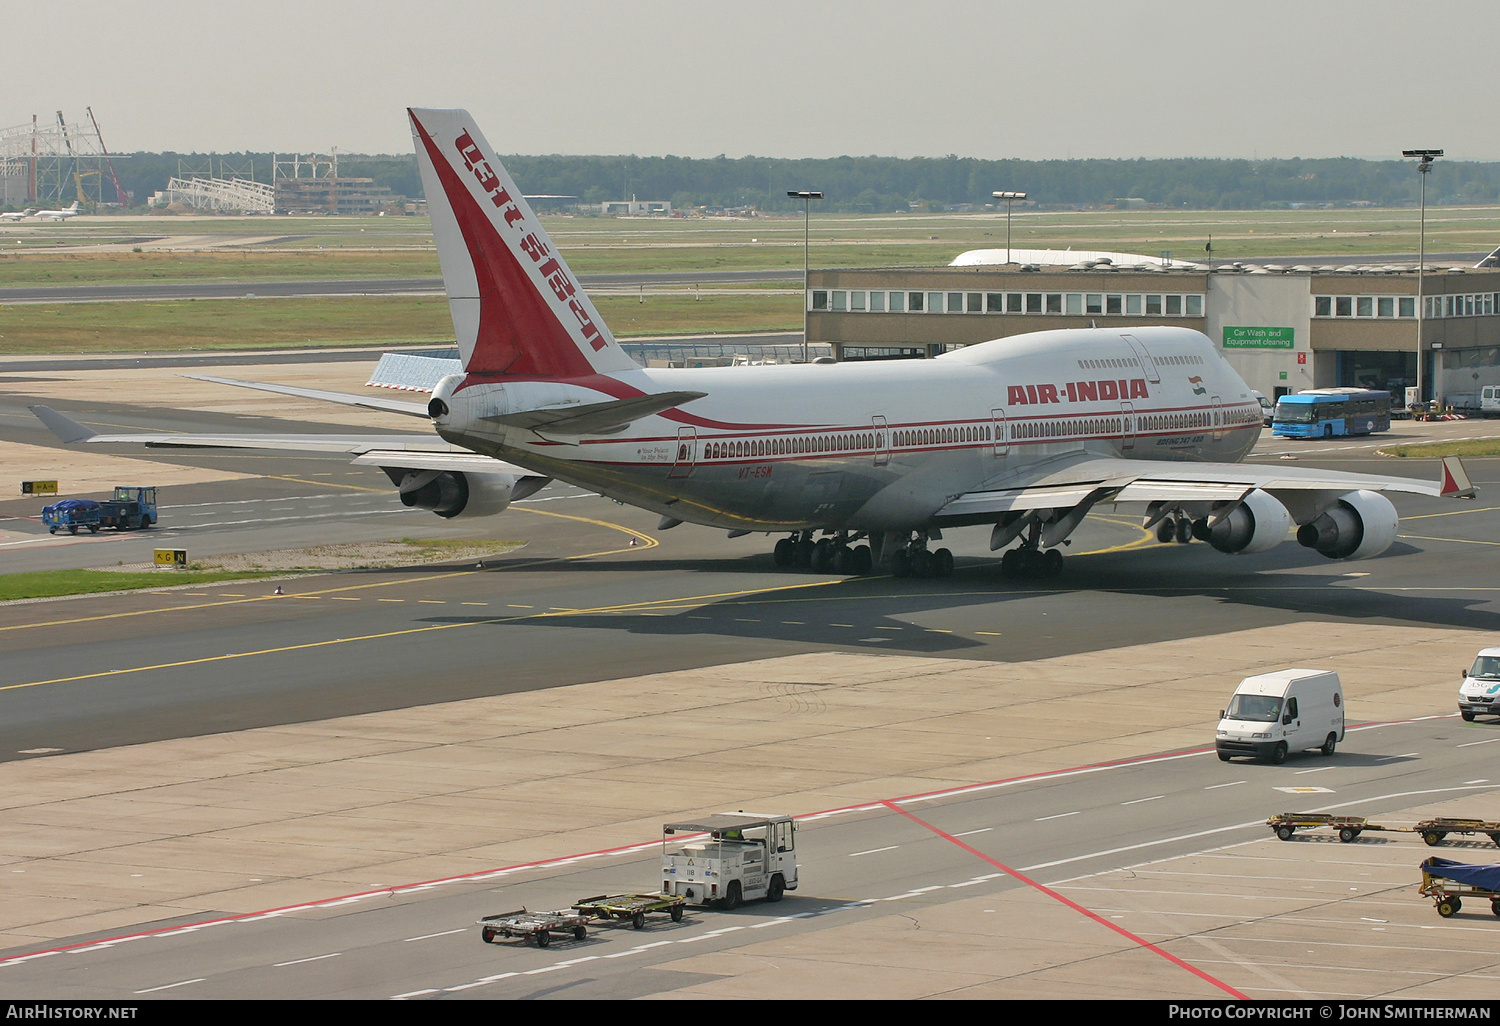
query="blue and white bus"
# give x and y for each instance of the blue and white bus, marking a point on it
(1329, 412)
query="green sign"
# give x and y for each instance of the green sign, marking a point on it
(1257, 338)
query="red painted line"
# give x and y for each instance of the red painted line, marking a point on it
(1028, 881)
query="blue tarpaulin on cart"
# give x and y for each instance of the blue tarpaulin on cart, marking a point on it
(1486, 877)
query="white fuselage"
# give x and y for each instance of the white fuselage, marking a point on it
(877, 446)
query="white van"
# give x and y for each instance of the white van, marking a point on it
(1489, 401)
(1272, 714)
(1480, 691)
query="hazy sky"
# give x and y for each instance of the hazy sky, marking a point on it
(784, 78)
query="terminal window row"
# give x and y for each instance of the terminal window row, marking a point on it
(1482, 304)
(1077, 304)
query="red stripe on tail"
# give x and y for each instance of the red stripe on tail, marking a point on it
(518, 332)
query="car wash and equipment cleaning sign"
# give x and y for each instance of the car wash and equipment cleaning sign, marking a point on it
(1257, 338)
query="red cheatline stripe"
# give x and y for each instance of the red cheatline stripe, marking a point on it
(1029, 882)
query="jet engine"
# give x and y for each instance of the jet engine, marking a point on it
(1360, 525)
(456, 493)
(1258, 523)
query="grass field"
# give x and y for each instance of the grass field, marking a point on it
(53, 583)
(1437, 450)
(258, 248)
(213, 324)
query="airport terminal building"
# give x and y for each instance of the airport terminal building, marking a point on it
(1283, 329)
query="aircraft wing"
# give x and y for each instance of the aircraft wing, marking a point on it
(414, 452)
(1066, 483)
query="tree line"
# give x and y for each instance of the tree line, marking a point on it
(885, 184)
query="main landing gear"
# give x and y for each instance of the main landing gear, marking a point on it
(1029, 559)
(1180, 529)
(914, 560)
(825, 556)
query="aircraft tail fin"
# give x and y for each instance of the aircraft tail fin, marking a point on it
(517, 309)
(1456, 483)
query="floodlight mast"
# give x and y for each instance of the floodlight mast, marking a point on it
(1009, 198)
(806, 196)
(1424, 166)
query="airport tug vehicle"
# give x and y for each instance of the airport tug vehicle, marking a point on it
(732, 857)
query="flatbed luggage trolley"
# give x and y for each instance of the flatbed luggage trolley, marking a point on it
(1434, 830)
(1349, 827)
(1447, 883)
(634, 907)
(538, 926)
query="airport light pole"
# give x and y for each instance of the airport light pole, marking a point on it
(806, 196)
(1009, 198)
(1424, 166)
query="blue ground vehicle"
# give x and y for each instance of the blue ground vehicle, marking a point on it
(131, 506)
(71, 514)
(1331, 412)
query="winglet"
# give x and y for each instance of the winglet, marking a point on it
(70, 431)
(1455, 483)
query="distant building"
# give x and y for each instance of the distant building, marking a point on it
(332, 195)
(637, 208)
(1282, 328)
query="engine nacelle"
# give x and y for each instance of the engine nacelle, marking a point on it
(454, 493)
(1255, 525)
(1360, 525)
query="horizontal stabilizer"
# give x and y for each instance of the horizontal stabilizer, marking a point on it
(595, 418)
(408, 409)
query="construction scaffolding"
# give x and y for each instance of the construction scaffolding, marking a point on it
(312, 184)
(51, 162)
(221, 195)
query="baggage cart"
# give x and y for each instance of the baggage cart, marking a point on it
(1447, 883)
(537, 926)
(1349, 827)
(1434, 830)
(635, 907)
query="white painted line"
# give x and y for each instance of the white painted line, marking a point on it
(429, 936)
(1060, 815)
(411, 994)
(169, 986)
(299, 961)
(1476, 781)
(1487, 741)
(873, 851)
(1138, 801)
(1232, 783)
(1318, 769)
(971, 833)
(1392, 758)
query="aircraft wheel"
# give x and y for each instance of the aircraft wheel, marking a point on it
(942, 563)
(900, 563)
(802, 553)
(921, 563)
(1166, 530)
(822, 556)
(783, 553)
(1052, 562)
(862, 560)
(1010, 563)
(843, 561)
(1184, 530)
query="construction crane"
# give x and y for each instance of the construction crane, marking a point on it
(114, 179)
